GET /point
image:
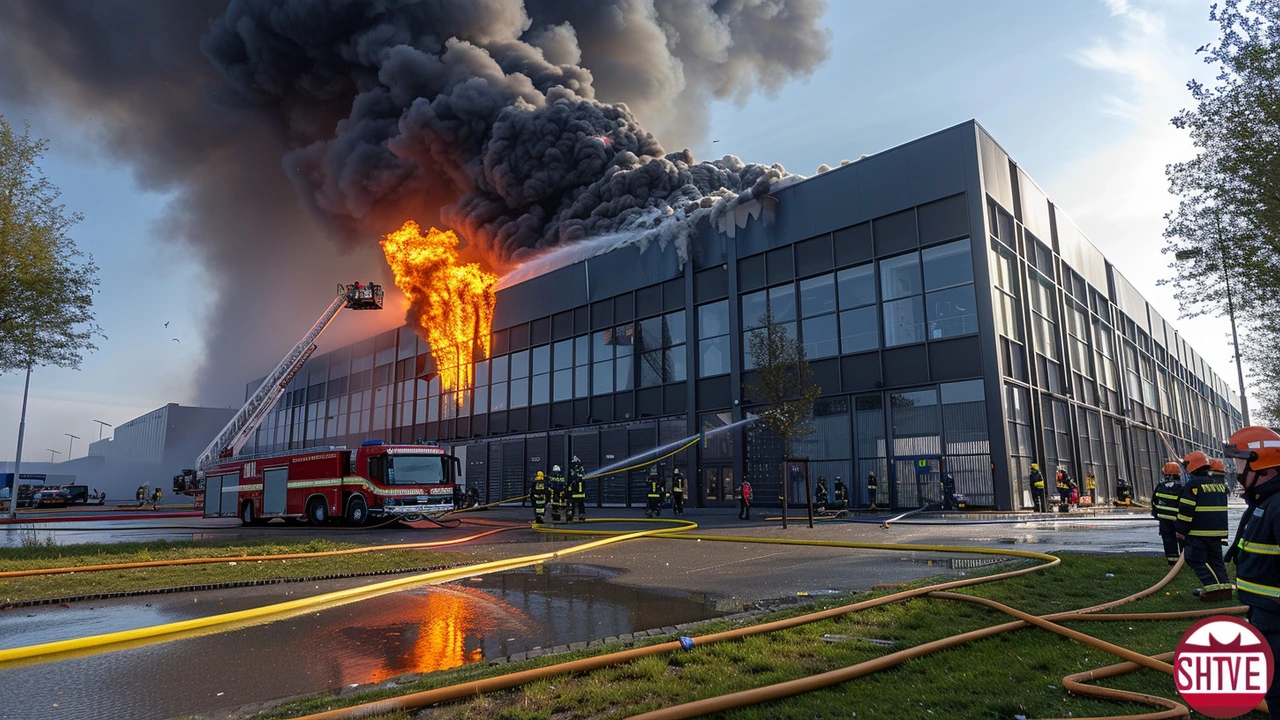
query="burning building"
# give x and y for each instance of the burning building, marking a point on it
(955, 317)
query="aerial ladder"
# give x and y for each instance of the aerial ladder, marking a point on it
(245, 422)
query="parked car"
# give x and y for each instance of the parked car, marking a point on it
(27, 493)
(80, 495)
(52, 497)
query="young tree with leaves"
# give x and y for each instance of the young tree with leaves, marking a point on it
(784, 384)
(1226, 228)
(46, 283)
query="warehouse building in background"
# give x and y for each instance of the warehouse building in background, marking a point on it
(955, 318)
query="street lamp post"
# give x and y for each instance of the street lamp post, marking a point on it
(1185, 255)
(17, 459)
(52, 452)
(102, 424)
(70, 443)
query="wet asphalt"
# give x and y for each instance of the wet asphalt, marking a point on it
(617, 589)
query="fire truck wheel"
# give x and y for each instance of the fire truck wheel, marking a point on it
(357, 510)
(318, 511)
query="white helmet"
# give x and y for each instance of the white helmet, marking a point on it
(555, 468)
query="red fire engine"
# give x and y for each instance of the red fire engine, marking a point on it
(320, 483)
(373, 481)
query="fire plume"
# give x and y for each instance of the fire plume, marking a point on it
(451, 301)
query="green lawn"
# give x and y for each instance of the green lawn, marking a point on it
(1018, 673)
(43, 587)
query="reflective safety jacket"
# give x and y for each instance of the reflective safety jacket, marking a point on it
(820, 493)
(1257, 552)
(578, 488)
(539, 491)
(557, 485)
(1202, 509)
(677, 484)
(1037, 480)
(654, 491)
(1063, 481)
(1164, 501)
(842, 493)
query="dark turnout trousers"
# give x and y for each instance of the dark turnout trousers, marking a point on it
(1204, 555)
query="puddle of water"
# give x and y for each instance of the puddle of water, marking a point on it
(415, 631)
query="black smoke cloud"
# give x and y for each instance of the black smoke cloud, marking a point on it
(516, 123)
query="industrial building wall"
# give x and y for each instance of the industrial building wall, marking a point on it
(937, 292)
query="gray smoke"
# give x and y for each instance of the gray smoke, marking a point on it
(512, 122)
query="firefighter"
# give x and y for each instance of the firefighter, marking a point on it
(539, 497)
(744, 501)
(1037, 488)
(1063, 482)
(653, 508)
(872, 486)
(948, 484)
(1202, 525)
(577, 491)
(820, 494)
(677, 492)
(141, 495)
(1256, 453)
(156, 496)
(842, 495)
(1164, 508)
(557, 485)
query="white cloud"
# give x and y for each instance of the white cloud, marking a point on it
(1117, 191)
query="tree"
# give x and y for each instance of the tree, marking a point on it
(784, 384)
(46, 283)
(1226, 227)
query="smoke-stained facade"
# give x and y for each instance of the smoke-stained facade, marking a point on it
(955, 318)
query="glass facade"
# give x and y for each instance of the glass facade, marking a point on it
(948, 337)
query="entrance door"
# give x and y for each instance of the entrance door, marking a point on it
(916, 481)
(718, 488)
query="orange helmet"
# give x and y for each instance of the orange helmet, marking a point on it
(1254, 448)
(1216, 467)
(1195, 460)
(1171, 468)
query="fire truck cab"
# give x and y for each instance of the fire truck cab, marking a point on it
(323, 484)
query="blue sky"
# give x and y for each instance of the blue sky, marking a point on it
(1079, 93)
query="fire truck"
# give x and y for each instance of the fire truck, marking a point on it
(321, 484)
(318, 484)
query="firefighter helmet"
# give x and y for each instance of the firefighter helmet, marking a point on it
(1171, 468)
(555, 468)
(1035, 466)
(1195, 460)
(1253, 448)
(539, 476)
(1216, 467)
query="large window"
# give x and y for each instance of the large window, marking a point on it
(611, 370)
(781, 300)
(903, 304)
(662, 349)
(519, 379)
(948, 284)
(713, 339)
(541, 384)
(859, 321)
(818, 313)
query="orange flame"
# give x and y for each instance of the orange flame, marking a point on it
(452, 302)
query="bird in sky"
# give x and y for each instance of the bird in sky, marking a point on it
(177, 341)
(715, 141)
(166, 323)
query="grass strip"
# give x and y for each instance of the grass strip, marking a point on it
(45, 587)
(1017, 673)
